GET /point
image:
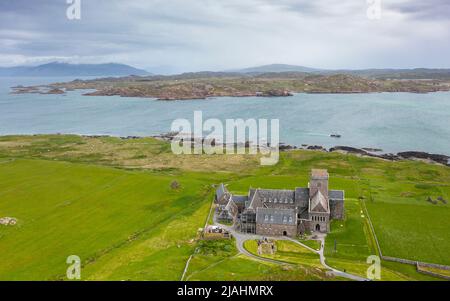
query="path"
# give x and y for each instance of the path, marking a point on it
(241, 238)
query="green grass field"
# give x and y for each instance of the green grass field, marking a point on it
(109, 201)
(219, 260)
(288, 252)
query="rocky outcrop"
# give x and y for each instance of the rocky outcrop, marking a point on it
(348, 149)
(274, 93)
(8, 221)
(316, 147)
(442, 159)
(54, 91)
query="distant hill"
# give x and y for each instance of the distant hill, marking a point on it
(64, 69)
(276, 68)
(418, 73)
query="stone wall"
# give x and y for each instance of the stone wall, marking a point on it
(276, 230)
(420, 269)
(419, 266)
(304, 226)
(337, 209)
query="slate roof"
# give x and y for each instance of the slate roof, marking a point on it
(272, 197)
(301, 196)
(251, 192)
(239, 198)
(336, 194)
(221, 191)
(276, 216)
(318, 203)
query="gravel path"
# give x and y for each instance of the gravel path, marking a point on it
(241, 238)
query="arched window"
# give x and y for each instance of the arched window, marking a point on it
(271, 218)
(284, 219)
(266, 217)
(290, 219)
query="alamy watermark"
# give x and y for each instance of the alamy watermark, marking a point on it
(238, 136)
(374, 270)
(374, 9)
(73, 272)
(73, 12)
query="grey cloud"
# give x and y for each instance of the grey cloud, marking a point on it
(189, 35)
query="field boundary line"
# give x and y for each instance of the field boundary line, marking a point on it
(372, 230)
(186, 267)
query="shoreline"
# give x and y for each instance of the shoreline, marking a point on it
(426, 157)
(204, 86)
(55, 89)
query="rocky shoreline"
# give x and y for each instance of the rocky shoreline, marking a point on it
(366, 152)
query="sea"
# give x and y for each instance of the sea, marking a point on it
(393, 122)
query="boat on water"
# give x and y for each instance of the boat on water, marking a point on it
(335, 136)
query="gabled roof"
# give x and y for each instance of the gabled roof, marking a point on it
(276, 216)
(272, 197)
(318, 203)
(221, 191)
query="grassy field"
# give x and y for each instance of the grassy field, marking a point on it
(110, 201)
(93, 212)
(288, 252)
(219, 260)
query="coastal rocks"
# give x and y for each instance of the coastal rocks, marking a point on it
(364, 152)
(25, 90)
(316, 147)
(54, 91)
(286, 147)
(442, 159)
(36, 90)
(8, 221)
(348, 149)
(412, 155)
(372, 150)
(274, 93)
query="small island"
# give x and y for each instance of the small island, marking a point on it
(203, 85)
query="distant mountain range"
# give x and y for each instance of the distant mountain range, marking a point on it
(417, 73)
(276, 68)
(64, 69)
(112, 69)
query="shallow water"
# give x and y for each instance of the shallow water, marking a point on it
(391, 121)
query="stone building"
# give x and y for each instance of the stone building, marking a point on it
(274, 212)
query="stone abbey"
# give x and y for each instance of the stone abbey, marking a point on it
(274, 212)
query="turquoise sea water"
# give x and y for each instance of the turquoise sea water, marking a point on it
(391, 121)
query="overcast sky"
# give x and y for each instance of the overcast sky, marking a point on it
(193, 35)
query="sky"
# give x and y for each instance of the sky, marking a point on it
(172, 36)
